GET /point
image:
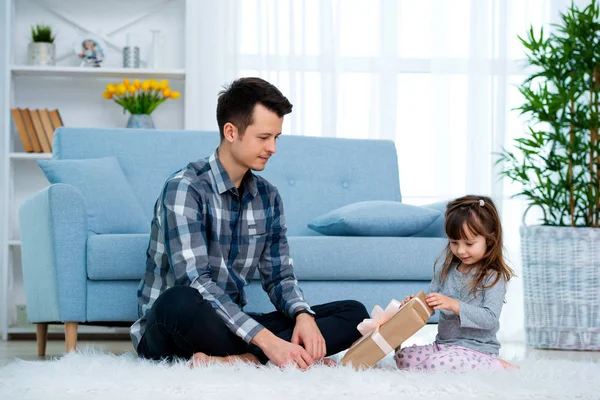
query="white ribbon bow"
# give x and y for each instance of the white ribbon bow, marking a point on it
(379, 316)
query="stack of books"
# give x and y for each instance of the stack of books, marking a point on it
(36, 128)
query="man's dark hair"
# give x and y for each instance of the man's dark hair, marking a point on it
(236, 102)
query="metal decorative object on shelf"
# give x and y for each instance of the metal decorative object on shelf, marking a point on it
(131, 54)
(131, 57)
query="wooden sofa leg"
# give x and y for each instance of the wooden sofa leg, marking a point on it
(41, 336)
(71, 335)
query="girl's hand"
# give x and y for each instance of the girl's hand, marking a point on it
(440, 302)
(403, 302)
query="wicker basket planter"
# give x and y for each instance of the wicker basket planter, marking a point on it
(561, 280)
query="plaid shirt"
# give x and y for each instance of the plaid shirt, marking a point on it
(207, 237)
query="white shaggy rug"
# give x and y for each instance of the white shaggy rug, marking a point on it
(94, 375)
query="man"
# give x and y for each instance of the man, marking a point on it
(214, 224)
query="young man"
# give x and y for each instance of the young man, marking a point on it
(214, 224)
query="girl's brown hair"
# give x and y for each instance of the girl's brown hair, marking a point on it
(477, 215)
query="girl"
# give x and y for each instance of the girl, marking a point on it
(468, 290)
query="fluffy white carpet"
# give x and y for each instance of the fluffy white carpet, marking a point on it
(93, 375)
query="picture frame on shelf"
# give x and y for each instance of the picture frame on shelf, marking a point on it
(89, 49)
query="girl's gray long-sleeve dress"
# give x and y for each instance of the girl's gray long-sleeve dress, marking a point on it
(478, 323)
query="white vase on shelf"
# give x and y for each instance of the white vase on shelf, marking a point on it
(157, 49)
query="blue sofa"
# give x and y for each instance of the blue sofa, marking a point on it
(73, 275)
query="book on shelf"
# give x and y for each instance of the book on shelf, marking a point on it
(35, 142)
(36, 128)
(47, 125)
(21, 130)
(55, 118)
(39, 130)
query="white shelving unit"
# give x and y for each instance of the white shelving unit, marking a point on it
(29, 156)
(77, 93)
(119, 73)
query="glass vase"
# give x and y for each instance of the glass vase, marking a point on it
(140, 121)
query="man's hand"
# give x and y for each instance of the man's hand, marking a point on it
(440, 302)
(307, 333)
(281, 352)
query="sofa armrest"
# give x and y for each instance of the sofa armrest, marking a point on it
(54, 234)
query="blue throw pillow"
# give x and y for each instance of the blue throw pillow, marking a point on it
(110, 202)
(375, 218)
(437, 228)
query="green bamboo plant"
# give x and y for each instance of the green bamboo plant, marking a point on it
(42, 33)
(557, 163)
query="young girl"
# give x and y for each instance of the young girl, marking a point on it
(469, 291)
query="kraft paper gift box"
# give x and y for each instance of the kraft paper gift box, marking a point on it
(387, 330)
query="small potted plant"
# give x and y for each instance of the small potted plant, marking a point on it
(140, 98)
(41, 49)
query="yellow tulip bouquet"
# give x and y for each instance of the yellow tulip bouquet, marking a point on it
(140, 97)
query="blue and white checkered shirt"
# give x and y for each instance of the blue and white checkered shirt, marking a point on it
(207, 237)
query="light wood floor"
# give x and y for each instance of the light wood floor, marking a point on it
(27, 349)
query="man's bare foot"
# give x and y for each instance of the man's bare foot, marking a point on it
(508, 365)
(329, 362)
(202, 359)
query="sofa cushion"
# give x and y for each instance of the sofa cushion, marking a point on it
(112, 301)
(117, 257)
(110, 203)
(332, 258)
(327, 258)
(375, 218)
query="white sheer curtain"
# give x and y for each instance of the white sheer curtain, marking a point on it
(436, 76)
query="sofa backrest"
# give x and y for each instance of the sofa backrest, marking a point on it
(314, 175)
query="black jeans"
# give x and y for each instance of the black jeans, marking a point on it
(181, 323)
